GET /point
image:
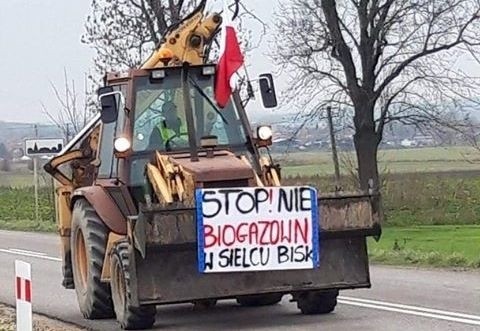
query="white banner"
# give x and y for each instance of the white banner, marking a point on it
(256, 228)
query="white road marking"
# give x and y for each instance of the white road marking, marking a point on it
(36, 255)
(417, 308)
(359, 302)
(28, 252)
(411, 312)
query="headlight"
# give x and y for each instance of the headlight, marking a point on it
(264, 132)
(122, 144)
(158, 74)
(208, 71)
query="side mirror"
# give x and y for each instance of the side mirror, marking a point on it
(267, 88)
(109, 104)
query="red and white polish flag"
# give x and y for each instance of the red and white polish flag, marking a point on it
(231, 59)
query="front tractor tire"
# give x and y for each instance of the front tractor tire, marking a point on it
(317, 302)
(89, 237)
(129, 316)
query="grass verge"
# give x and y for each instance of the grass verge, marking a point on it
(27, 225)
(419, 199)
(436, 246)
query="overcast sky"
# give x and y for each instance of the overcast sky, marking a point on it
(38, 38)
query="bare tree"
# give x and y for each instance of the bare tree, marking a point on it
(72, 114)
(124, 32)
(387, 60)
(472, 134)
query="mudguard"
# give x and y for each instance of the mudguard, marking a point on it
(105, 207)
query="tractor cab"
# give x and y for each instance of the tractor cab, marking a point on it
(171, 114)
(160, 113)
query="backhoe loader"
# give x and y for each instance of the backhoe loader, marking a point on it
(164, 198)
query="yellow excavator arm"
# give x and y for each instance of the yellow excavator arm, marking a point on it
(187, 41)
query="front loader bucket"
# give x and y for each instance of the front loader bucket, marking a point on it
(166, 263)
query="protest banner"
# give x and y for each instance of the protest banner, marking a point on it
(257, 228)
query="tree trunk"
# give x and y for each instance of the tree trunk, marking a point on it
(366, 146)
(366, 142)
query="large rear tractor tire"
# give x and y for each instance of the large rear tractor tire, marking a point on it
(317, 302)
(129, 316)
(260, 300)
(88, 244)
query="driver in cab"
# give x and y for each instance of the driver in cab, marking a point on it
(171, 132)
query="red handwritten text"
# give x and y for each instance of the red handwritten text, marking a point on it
(269, 232)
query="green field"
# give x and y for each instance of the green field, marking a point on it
(21, 176)
(17, 208)
(16, 178)
(440, 246)
(435, 159)
(431, 199)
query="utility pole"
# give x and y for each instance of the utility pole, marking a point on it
(334, 147)
(67, 138)
(35, 179)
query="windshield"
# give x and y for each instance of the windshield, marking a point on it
(160, 119)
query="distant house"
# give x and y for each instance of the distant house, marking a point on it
(408, 143)
(284, 144)
(424, 140)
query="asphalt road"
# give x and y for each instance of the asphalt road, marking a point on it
(400, 299)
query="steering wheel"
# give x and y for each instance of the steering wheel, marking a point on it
(171, 143)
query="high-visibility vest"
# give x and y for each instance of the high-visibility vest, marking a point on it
(167, 133)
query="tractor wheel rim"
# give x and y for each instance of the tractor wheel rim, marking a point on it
(119, 280)
(81, 258)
